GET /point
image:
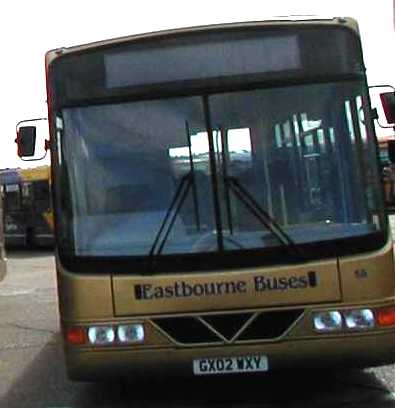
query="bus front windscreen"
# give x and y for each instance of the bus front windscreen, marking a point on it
(251, 170)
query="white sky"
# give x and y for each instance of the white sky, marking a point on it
(30, 28)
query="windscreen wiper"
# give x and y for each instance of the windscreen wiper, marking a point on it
(233, 185)
(261, 215)
(187, 181)
(169, 219)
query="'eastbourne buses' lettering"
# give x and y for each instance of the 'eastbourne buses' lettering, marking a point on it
(293, 282)
(182, 289)
(185, 290)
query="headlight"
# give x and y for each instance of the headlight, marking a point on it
(131, 333)
(359, 319)
(327, 321)
(101, 335)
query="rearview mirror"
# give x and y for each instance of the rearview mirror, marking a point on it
(26, 141)
(388, 103)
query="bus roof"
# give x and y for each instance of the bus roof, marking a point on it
(285, 21)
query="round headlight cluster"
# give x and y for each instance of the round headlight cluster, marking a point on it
(359, 319)
(335, 320)
(101, 335)
(131, 333)
(122, 334)
(327, 321)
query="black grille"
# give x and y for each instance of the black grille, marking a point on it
(270, 325)
(195, 330)
(228, 324)
(187, 330)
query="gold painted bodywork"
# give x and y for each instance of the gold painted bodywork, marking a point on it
(350, 351)
(87, 300)
(368, 277)
(329, 291)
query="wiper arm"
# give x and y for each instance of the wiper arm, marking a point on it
(263, 216)
(178, 200)
(168, 222)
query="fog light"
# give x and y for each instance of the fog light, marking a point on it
(101, 335)
(359, 319)
(327, 321)
(131, 333)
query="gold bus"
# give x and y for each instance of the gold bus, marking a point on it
(218, 203)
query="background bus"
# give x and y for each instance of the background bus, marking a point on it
(219, 206)
(3, 264)
(27, 207)
(388, 171)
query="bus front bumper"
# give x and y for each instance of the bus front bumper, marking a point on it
(354, 350)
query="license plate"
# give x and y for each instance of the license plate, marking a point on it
(230, 365)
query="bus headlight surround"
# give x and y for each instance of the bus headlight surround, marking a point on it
(101, 335)
(327, 321)
(131, 333)
(359, 319)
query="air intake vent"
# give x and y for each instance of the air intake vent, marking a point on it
(270, 325)
(223, 328)
(228, 325)
(187, 330)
